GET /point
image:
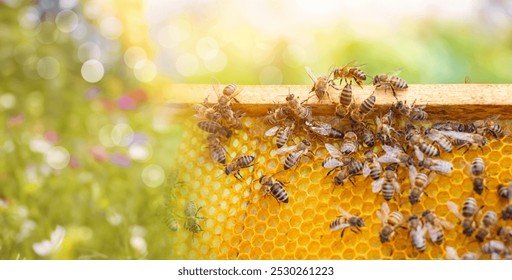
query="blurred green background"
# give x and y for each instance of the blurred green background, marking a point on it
(87, 143)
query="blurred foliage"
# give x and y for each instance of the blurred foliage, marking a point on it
(97, 189)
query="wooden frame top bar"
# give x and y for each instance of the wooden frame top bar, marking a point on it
(444, 101)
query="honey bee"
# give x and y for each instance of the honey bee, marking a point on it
(451, 254)
(349, 144)
(341, 176)
(488, 221)
(295, 153)
(324, 129)
(346, 220)
(283, 133)
(237, 164)
(367, 136)
(435, 226)
(371, 166)
(505, 191)
(488, 125)
(191, 217)
(472, 139)
(367, 105)
(425, 147)
(395, 154)
(217, 150)
(384, 128)
(419, 182)
(450, 126)
(496, 248)
(348, 72)
(355, 167)
(301, 112)
(439, 139)
(336, 158)
(411, 112)
(417, 232)
(231, 119)
(274, 187)
(390, 222)
(231, 91)
(468, 216)
(203, 111)
(321, 85)
(437, 165)
(505, 233)
(346, 97)
(506, 213)
(277, 116)
(389, 81)
(477, 171)
(214, 127)
(388, 183)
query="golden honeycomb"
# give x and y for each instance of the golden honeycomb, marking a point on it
(241, 223)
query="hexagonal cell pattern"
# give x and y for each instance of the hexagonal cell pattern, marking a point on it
(239, 222)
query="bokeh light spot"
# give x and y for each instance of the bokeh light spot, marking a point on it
(48, 67)
(66, 21)
(133, 55)
(207, 48)
(140, 152)
(218, 63)
(111, 28)
(57, 157)
(92, 71)
(187, 64)
(88, 51)
(29, 17)
(145, 70)
(47, 33)
(7, 101)
(122, 134)
(153, 175)
(170, 36)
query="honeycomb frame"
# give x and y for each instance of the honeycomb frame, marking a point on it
(241, 223)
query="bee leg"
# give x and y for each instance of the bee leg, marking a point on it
(359, 83)
(342, 232)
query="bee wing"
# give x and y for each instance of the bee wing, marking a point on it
(285, 149)
(447, 225)
(432, 232)
(385, 208)
(333, 163)
(382, 217)
(451, 253)
(340, 226)
(333, 151)
(388, 158)
(454, 209)
(272, 131)
(366, 169)
(377, 185)
(392, 149)
(395, 72)
(434, 136)
(442, 166)
(320, 130)
(458, 135)
(418, 153)
(310, 74)
(343, 212)
(412, 174)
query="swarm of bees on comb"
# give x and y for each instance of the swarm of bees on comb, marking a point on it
(380, 145)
